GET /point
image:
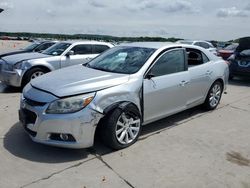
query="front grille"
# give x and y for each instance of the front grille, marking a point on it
(33, 103)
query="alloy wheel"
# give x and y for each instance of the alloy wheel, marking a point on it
(127, 128)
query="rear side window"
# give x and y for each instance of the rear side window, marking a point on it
(170, 62)
(82, 49)
(97, 49)
(196, 57)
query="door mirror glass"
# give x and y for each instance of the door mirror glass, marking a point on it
(71, 52)
(150, 75)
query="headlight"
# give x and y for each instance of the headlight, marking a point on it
(18, 65)
(8, 67)
(70, 105)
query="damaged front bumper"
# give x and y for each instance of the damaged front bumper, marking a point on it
(75, 130)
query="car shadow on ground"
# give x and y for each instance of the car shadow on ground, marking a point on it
(240, 81)
(18, 143)
(9, 89)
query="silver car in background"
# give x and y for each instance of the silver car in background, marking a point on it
(119, 91)
(18, 70)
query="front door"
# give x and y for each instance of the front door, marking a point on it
(165, 86)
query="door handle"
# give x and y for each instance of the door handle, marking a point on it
(184, 82)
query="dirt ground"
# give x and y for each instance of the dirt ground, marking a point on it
(9, 45)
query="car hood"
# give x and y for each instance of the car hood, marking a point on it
(12, 59)
(12, 53)
(76, 80)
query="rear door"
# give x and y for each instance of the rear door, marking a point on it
(165, 85)
(201, 76)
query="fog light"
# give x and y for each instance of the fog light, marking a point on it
(64, 137)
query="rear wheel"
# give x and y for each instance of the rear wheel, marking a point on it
(213, 96)
(32, 74)
(122, 127)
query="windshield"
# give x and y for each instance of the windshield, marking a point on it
(125, 60)
(56, 49)
(32, 46)
(231, 47)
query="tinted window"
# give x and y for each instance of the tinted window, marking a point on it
(170, 62)
(82, 49)
(99, 49)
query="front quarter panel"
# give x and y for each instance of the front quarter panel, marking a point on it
(129, 92)
(52, 63)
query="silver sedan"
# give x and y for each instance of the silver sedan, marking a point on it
(119, 91)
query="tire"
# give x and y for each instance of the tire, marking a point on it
(31, 74)
(122, 127)
(213, 96)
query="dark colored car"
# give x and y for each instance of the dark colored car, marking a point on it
(240, 60)
(34, 47)
(226, 52)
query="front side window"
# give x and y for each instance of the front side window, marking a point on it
(99, 49)
(82, 49)
(57, 49)
(122, 59)
(170, 62)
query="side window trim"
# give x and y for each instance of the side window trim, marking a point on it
(163, 53)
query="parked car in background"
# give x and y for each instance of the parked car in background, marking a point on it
(240, 60)
(201, 43)
(226, 52)
(18, 70)
(119, 91)
(34, 47)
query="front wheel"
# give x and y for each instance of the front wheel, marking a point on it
(122, 127)
(32, 74)
(213, 96)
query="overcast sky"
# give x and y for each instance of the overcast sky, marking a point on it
(190, 19)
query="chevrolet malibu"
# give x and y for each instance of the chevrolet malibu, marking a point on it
(118, 92)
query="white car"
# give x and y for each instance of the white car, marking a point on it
(204, 44)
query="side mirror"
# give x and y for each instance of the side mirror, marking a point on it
(69, 53)
(150, 75)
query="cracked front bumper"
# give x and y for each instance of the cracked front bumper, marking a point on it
(43, 127)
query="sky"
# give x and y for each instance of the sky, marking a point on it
(189, 19)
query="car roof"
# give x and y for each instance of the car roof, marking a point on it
(85, 42)
(155, 45)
